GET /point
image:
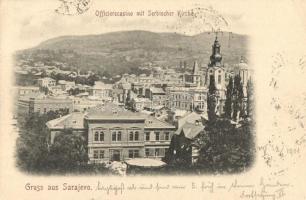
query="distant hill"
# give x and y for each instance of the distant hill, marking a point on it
(123, 52)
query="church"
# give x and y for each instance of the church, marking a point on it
(200, 77)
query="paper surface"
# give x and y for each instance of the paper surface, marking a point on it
(276, 53)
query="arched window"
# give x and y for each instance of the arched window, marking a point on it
(131, 137)
(136, 136)
(113, 136)
(101, 136)
(119, 136)
(96, 136)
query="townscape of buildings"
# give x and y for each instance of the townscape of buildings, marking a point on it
(136, 116)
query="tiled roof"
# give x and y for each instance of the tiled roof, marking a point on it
(191, 117)
(152, 122)
(189, 130)
(73, 120)
(112, 111)
(76, 120)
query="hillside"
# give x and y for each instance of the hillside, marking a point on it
(123, 52)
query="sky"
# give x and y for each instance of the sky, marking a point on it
(33, 21)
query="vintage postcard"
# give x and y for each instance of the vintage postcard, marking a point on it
(136, 99)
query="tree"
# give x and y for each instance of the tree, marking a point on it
(74, 91)
(32, 143)
(250, 99)
(92, 79)
(68, 152)
(228, 101)
(211, 101)
(225, 148)
(237, 97)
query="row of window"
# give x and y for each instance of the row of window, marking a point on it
(133, 136)
(181, 104)
(156, 152)
(45, 110)
(116, 136)
(180, 96)
(133, 153)
(157, 136)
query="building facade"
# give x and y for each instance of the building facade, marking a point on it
(115, 134)
(185, 98)
(26, 90)
(46, 82)
(46, 104)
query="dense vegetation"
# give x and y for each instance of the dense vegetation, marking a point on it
(226, 145)
(68, 154)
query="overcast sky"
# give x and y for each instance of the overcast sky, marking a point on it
(33, 21)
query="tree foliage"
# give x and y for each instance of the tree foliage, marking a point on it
(228, 101)
(69, 152)
(225, 148)
(34, 153)
(237, 97)
(211, 100)
(250, 99)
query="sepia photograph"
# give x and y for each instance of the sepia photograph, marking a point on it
(126, 99)
(135, 102)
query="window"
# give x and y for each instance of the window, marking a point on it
(134, 153)
(131, 136)
(95, 154)
(101, 136)
(156, 136)
(116, 136)
(136, 136)
(101, 154)
(98, 154)
(96, 136)
(119, 136)
(167, 136)
(147, 136)
(147, 151)
(157, 152)
(219, 79)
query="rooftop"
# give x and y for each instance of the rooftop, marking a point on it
(101, 85)
(152, 122)
(192, 118)
(190, 130)
(112, 111)
(155, 90)
(73, 120)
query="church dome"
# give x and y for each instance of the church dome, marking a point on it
(217, 57)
